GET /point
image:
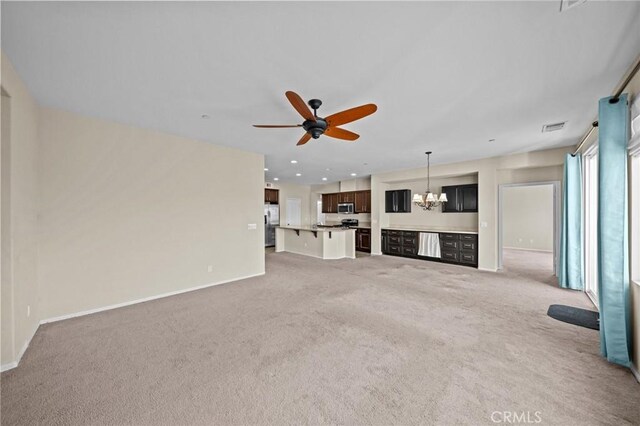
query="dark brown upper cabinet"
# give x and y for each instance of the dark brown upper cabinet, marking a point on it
(329, 203)
(461, 198)
(271, 196)
(397, 201)
(360, 199)
(363, 202)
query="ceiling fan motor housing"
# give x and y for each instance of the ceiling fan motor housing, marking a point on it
(315, 128)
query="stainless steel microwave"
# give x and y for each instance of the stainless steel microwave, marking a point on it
(345, 208)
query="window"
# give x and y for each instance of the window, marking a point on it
(634, 153)
(590, 199)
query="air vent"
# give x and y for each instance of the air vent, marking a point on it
(568, 4)
(553, 127)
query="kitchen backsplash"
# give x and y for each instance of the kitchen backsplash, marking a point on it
(334, 217)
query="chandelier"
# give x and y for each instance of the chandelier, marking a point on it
(429, 200)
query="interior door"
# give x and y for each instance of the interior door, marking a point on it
(294, 211)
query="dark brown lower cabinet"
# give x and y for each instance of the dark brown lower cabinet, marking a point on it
(363, 240)
(461, 249)
(400, 243)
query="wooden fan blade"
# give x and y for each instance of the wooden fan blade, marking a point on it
(300, 106)
(350, 115)
(304, 139)
(338, 133)
(276, 126)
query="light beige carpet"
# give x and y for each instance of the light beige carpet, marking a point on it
(376, 340)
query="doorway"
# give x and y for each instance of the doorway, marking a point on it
(294, 211)
(528, 228)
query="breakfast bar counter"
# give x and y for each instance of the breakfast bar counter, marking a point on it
(324, 243)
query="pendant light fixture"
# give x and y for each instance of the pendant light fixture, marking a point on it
(429, 200)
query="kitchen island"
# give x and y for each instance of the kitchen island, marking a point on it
(323, 243)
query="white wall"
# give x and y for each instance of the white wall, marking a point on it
(19, 209)
(128, 213)
(528, 217)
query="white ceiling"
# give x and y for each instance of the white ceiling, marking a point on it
(446, 76)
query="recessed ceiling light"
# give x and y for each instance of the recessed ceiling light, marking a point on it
(276, 179)
(324, 178)
(353, 174)
(205, 116)
(328, 170)
(266, 170)
(298, 174)
(294, 161)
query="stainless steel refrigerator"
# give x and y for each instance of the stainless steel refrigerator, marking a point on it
(271, 220)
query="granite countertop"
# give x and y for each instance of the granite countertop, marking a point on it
(312, 229)
(432, 229)
(361, 225)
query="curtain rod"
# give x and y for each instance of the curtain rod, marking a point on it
(613, 100)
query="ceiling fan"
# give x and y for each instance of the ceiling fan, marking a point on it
(316, 126)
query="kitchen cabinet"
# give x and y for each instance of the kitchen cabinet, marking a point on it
(362, 201)
(346, 197)
(363, 240)
(271, 196)
(397, 201)
(461, 198)
(461, 249)
(330, 203)
(400, 243)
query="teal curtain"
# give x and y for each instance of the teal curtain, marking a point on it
(613, 254)
(571, 267)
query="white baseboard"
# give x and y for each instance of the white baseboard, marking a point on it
(8, 366)
(146, 299)
(635, 372)
(487, 269)
(14, 364)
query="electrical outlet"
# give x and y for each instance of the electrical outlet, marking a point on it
(28, 311)
(252, 226)
(210, 268)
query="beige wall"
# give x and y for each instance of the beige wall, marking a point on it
(488, 170)
(434, 218)
(291, 190)
(128, 213)
(20, 146)
(527, 217)
(531, 174)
